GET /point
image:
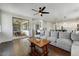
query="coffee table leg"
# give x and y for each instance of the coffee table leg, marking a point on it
(45, 50)
(32, 48)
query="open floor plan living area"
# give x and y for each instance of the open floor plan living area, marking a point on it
(39, 29)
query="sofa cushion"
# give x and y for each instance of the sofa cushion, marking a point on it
(65, 41)
(52, 39)
(54, 34)
(64, 44)
(75, 36)
(64, 35)
(53, 43)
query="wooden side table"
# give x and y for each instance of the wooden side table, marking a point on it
(43, 44)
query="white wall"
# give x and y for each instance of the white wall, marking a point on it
(43, 24)
(0, 20)
(49, 26)
(6, 20)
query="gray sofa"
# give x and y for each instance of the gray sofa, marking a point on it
(61, 40)
(64, 40)
(75, 44)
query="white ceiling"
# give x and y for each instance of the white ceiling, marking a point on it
(57, 10)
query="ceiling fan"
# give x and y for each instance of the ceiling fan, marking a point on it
(40, 11)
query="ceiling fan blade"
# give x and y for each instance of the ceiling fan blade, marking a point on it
(36, 13)
(45, 12)
(34, 10)
(43, 8)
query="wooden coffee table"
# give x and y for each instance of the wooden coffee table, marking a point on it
(41, 43)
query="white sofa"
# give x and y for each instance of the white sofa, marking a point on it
(75, 44)
(75, 48)
(64, 40)
(61, 40)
